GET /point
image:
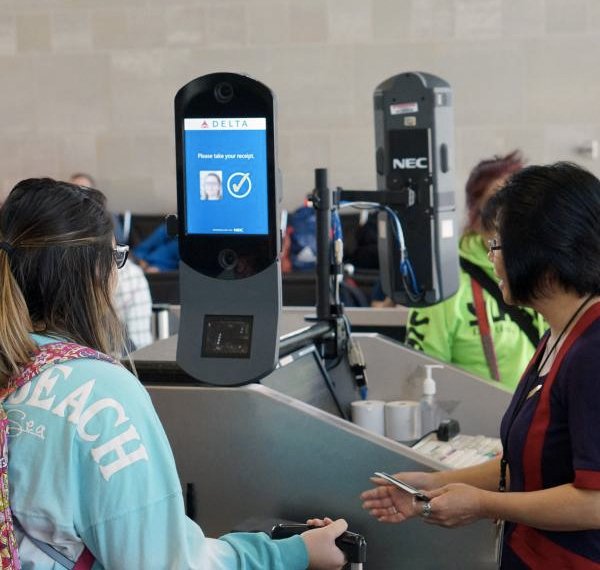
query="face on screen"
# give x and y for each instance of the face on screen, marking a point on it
(226, 190)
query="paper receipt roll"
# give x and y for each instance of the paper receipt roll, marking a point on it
(369, 414)
(403, 420)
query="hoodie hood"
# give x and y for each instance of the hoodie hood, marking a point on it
(473, 248)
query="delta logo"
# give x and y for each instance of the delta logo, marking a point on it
(229, 123)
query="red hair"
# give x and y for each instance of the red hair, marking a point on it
(482, 176)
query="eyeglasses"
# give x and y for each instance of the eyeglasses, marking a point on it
(120, 253)
(494, 245)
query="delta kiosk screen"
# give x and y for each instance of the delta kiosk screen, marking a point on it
(226, 176)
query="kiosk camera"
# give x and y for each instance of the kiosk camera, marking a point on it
(230, 278)
(414, 130)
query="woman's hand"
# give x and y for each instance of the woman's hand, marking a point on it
(323, 554)
(388, 503)
(454, 505)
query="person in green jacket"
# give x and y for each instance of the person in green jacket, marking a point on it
(474, 329)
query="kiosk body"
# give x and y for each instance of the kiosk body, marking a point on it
(414, 137)
(227, 197)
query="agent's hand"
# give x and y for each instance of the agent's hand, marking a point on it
(323, 554)
(388, 504)
(454, 505)
(391, 505)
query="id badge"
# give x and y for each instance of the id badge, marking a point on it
(499, 540)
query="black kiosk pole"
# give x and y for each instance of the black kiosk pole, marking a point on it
(322, 204)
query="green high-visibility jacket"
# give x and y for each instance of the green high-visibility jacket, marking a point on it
(449, 331)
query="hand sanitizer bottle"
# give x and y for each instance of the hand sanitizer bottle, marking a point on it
(431, 415)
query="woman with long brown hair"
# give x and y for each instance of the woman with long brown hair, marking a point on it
(92, 476)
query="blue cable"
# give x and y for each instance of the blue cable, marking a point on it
(336, 224)
(407, 270)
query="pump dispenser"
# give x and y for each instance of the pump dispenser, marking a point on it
(431, 414)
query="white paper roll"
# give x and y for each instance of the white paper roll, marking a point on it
(369, 414)
(403, 420)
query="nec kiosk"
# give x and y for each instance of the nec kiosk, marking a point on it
(230, 282)
(414, 132)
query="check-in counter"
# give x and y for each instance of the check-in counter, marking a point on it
(258, 452)
(390, 322)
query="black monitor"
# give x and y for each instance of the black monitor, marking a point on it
(302, 375)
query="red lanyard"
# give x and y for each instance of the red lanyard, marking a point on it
(485, 332)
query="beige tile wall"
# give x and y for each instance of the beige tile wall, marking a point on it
(89, 85)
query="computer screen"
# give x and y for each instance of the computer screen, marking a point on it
(301, 375)
(226, 176)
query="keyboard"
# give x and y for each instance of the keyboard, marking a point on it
(460, 451)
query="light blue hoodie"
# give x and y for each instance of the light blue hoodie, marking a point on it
(89, 463)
